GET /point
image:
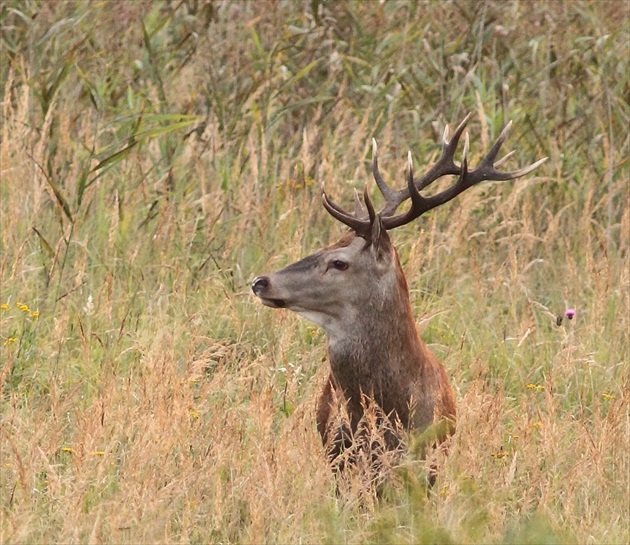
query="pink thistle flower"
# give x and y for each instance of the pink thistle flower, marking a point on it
(570, 313)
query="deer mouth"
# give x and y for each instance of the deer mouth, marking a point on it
(273, 303)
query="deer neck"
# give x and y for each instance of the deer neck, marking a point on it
(380, 354)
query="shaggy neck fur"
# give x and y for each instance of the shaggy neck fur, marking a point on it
(384, 357)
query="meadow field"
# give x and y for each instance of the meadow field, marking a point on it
(157, 156)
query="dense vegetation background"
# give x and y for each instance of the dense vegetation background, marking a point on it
(156, 156)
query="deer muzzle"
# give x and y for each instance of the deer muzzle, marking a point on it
(261, 286)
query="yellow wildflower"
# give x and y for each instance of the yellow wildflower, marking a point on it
(194, 414)
(35, 314)
(4, 306)
(606, 395)
(98, 453)
(67, 449)
(537, 425)
(10, 340)
(531, 386)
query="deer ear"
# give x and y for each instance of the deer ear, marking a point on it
(380, 242)
(377, 228)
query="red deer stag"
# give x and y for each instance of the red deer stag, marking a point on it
(356, 291)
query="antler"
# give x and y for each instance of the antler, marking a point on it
(445, 165)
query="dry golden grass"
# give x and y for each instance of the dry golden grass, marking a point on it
(148, 175)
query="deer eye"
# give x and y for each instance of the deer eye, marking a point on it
(339, 265)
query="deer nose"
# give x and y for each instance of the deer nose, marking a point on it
(260, 284)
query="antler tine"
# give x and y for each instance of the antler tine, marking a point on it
(387, 191)
(445, 164)
(494, 150)
(418, 202)
(525, 170)
(416, 198)
(393, 198)
(361, 221)
(359, 210)
(368, 203)
(487, 167)
(464, 166)
(340, 214)
(458, 132)
(504, 158)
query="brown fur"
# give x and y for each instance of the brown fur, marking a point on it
(388, 363)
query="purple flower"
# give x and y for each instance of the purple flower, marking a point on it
(569, 313)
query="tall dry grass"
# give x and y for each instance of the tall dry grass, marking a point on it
(157, 156)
